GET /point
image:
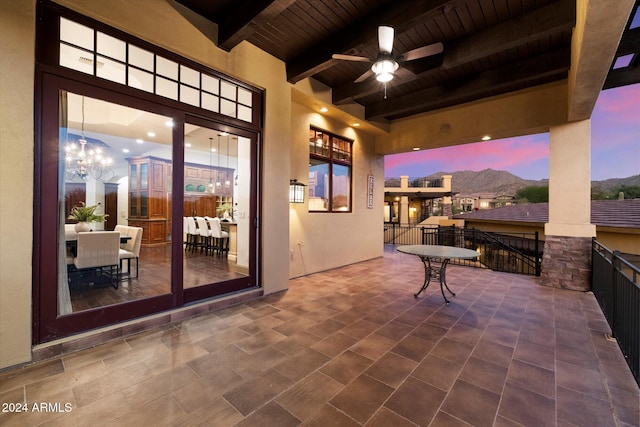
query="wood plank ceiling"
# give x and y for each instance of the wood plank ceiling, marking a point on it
(491, 47)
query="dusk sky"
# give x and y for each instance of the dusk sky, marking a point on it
(615, 147)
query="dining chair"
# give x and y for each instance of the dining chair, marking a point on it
(131, 249)
(99, 251)
(220, 238)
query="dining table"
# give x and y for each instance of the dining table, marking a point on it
(435, 259)
(71, 239)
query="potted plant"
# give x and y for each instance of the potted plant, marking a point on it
(225, 208)
(84, 215)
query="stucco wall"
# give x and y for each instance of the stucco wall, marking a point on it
(321, 241)
(357, 235)
(17, 43)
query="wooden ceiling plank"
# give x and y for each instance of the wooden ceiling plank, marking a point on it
(354, 37)
(539, 24)
(499, 79)
(243, 17)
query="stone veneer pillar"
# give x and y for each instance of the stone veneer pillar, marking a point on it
(566, 262)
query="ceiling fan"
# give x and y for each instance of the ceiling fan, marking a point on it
(386, 64)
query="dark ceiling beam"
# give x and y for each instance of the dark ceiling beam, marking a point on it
(622, 77)
(630, 42)
(629, 45)
(242, 18)
(539, 24)
(354, 37)
(489, 83)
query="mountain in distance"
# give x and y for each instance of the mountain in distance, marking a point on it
(503, 182)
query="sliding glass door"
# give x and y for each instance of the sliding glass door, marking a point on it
(114, 165)
(217, 231)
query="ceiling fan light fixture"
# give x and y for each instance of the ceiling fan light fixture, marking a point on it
(384, 69)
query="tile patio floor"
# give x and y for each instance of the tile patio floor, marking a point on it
(351, 347)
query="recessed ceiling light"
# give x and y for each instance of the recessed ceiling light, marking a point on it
(356, 125)
(486, 138)
(224, 134)
(187, 145)
(151, 134)
(324, 109)
(139, 141)
(169, 123)
(213, 149)
(416, 148)
(125, 150)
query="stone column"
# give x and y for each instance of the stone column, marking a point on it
(567, 256)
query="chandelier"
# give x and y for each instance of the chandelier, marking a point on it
(87, 161)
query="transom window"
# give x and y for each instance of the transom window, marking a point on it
(330, 163)
(93, 52)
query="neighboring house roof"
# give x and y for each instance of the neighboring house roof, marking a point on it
(608, 213)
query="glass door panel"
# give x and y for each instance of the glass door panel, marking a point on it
(217, 210)
(104, 144)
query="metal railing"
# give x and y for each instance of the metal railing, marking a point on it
(519, 253)
(415, 183)
(614, 282)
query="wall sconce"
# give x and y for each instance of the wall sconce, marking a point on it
(296, 191)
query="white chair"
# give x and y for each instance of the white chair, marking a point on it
(99, 250)
(192, 233)
(221, 238)
(205, 235)
(131, 249)
(70, 231)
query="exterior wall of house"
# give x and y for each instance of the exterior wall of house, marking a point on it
(17, 42)
(165, 25)
(321, 240)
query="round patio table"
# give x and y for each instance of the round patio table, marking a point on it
(439, 256)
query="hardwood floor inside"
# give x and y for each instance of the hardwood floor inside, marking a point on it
(154, 278)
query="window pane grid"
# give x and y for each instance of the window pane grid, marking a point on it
(329, 172)
(130, 65)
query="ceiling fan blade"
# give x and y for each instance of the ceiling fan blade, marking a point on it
(422, 52)
(350, 58)
(403, 73)
(385, 39)
(364, 76)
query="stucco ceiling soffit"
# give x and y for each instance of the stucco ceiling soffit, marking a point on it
(599, 28)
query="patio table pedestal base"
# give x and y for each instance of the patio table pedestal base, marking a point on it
(435, 272)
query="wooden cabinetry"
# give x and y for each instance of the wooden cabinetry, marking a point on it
(206, 189)
(111, 205)
(199, 204)
(74, 195)
(149, 198)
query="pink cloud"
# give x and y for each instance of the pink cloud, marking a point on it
(620, 104)
(513, 154)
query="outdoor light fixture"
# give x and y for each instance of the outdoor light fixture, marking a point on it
(296, 191)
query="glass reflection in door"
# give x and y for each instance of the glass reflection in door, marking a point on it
(115, 160)
(216, 205)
